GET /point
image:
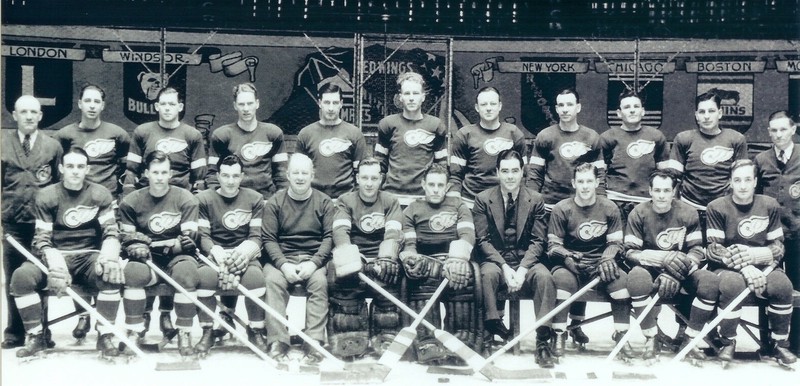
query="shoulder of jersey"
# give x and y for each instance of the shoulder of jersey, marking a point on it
(97, 190)
(603, 200)
(735, 134)
(349, 198)
(766, 200)
(720, 201)
(250, 194)
(49, 192)
(588, 129)
(565, 203)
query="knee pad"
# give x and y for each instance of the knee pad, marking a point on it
(24, 280)
(779, 287)
(137, 275)
(348, 327)
(208, 278)
(731, 284)
(384, 325)
(565, 280)
(708, 286)
(640, 282)
(186, 274)
(253, 278)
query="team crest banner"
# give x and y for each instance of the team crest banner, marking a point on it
(736, 91)
(793, 68)
(539, 88)
(650, 88)
(142, 80)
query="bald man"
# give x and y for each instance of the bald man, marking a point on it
(296, 234)
(29, 162)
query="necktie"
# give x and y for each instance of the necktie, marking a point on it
(26, 145)
(511, 221)
(782, 159)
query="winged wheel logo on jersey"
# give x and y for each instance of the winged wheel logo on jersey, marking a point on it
(371, 222)
(716, 154)
(332, 146)
(98, 147)
(794, 190)
(752, 226)
(592, 230)
(495, 145)
(171, 145)
(414, 138)
(572, 150)
(443, 220)
(44, 173)
(640, 147)
(80, 214)
(253, 150)
(160, 222)
(670, 237)
(234, 219)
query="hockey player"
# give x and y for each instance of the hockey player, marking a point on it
(184, 146)
(778, 172)
(368, 222)
(74, 219)
(663, 241)
(334, 145)
(439, 237)
(259, 145)
(410, 141)
(475, 147)
(230, 232)
(509, 224)
(631, 153)
(296, 234)
(745, 236)
(159, 223)
(30, 162)
(107, 146)
(585, 241)
(557, 150)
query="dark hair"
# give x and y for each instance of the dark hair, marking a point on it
(740, 163)
(329, 88)
(782, 114)
(369, 161)
(570, 90)
(509, 154)
(585, 167)
(169, 90)
(244, 87)
(663, 174)
(91, 86)
(157, 156)
(230, 160)
(629, 94)
(75, 150)
(708, 96)
(488, 89)
(436, 169)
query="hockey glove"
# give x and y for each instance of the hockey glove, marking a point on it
(608, 270)
(755, 278)
(457, 271)
(386, 270)
(184, 245)
(416, 266)
(719, 254)
(136, 246)
(571, 265)
(219, 254)
(678, 265)
(110, 270)
(667, 286)
(58, 278)
(742, 255)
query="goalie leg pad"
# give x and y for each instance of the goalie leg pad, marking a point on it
(348, 327)
(384, 324)
(461, 319)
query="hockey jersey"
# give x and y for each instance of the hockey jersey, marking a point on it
(291, 228)
(676, 230)
(262, 152)
(555, 155)
(782, 182)
(630, 157)
(473, 164)
(428, 229)
(228, 221)
(23, 176)
(367, 224)
(705, 162)
(588, 230)
(183, 145)
(336, 152)
(756, 224)
(107, 147)
(407, 149)
(72, 220)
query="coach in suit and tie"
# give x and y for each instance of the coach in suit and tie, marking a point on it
(511, 231)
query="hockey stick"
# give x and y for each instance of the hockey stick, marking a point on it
(271, 311)
(211, 313)
(720, 315)
(93, 312)
(625, 338)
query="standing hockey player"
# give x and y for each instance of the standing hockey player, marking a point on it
(334, 145)
(230, 232)
(107, 146)
(30, 162)
(557, 150)
(778, 172)
(296, 235)
(584, 242)
(439, 237)
(74, 219)
(410, 142)
(368, 225)
(663, 241)
(159, 223)
(473, 164)
(509, 224)
(745, 236)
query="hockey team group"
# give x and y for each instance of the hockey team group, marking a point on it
(422, 221)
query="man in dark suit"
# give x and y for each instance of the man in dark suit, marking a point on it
(510, 226)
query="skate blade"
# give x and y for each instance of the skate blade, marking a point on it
(787, 366)
(191, 364)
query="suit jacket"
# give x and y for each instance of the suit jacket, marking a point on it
(489, 217)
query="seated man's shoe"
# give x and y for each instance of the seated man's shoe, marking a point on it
(311, 357)
(278, 351)
(496, 327)
(13, 342)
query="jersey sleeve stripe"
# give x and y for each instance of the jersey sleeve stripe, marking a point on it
(355, 164)
(776, 234)
(212, 160)
(198, 163)
(663, 164)
(600, 164)
(393, 225)
(465, 224)
(441, 154)
(189, 226)
(715, 233)
(127, 228)
(44, 225)
(694, 236)
(551, 238)
(631, 239)
(458, 160)
(255, 223)
(615, 236)
(105, 217)
(280, 157)
(133, 157)
(380, 149)
(410, 235)
(536, 161)
(674, 164)
(342, 223)
(203, 223)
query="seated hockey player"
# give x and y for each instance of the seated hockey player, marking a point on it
(296, 234)
(367, 225)
(159, 223)
(663, 241)
(230, 233)
(74, 219)
(745, 236)
(510, 227)
(439, 237)
(584, 242)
